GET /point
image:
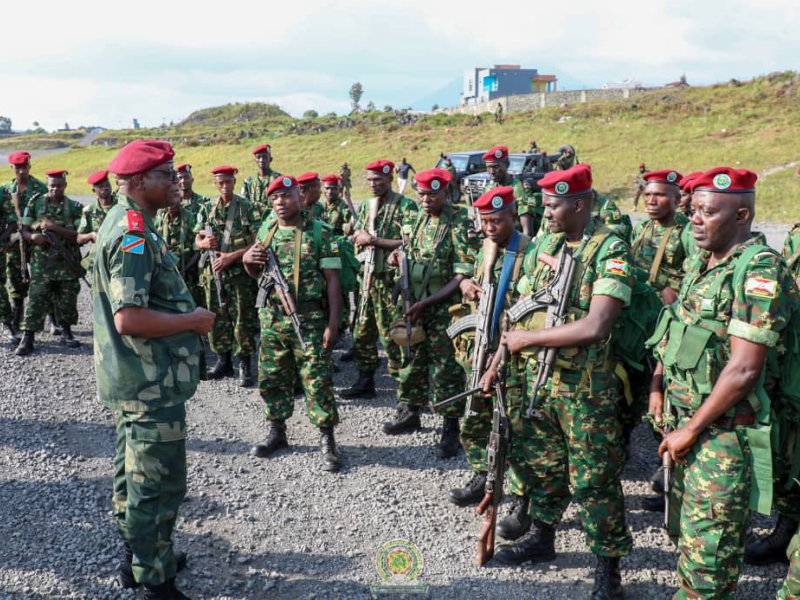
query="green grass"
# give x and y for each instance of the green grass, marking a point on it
(45, 141)
(753, 125)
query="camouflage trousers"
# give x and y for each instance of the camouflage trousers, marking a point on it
(61, 296)
(576, 440)
(431, 361)
(149, 486)
(791, 586)
(281, 357)
(18, 287)
(236, 325)
(379, 315)
(5, 306)
(709, 513)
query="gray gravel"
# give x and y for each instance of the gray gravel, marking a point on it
(279, 528)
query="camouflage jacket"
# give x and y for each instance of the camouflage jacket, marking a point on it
(791, 251)
(44, 262)
(178, 233)
(134, 269)
(395, 214)
(7, 214)
(255, 187)
(93, 216)
(246, 222)
(648, 237)
(35, 187)
(527, 204)
(195, 202)
(337, 215)
(612, 216)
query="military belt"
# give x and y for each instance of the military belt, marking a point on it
(724, 422)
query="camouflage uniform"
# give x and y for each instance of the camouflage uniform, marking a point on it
(281, 356)
(612, 216)
(576, 438)
(337, 215)
(648, 237)
(52, 284)
(18, 286)
(178, 234)
(316, 211)
(93, 216)
(396, 212)
(791, 586)
(439, 249)
(254, 189)
(527, 204)
(236, 324)
(7, 216)
(709, 504)
(194, 203)
(791, 251)
(347, 184)
(145, 382)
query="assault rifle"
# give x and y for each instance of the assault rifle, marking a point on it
(272, 279)
(57, 250)
(368, 258)
(402, 287)
(23, 249)
(209, 256)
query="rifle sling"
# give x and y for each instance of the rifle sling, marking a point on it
(226, 235)
(662, 248)
(442, 228)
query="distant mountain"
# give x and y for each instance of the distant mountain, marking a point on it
(448, 95)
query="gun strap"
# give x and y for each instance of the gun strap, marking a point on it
(662, 248)
(298, 238)
(388, 214)
(509, 258)
(226, 235)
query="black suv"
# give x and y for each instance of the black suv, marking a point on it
(466, 163)
(528, 168)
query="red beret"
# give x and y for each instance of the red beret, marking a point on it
(184, 168)
(496, 153)
(306, 178)
(19, 158)
(97, 177)
(687, 180)
(57, 173)
(382, 167)
(285, 182)
(261, 148)
(725, 180)
(642, 166)
(663, 176)
(432, 180)
(333, 180)
(495, 200)
(572, 182)
(141, 156)
(225, 170)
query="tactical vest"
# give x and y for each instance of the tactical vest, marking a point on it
(430, 276)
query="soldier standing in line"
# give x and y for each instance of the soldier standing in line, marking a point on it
(497, 163)
(314, 286)
(394, 212)
(55, 278)
(711, 357)
(233, 222)
(146, 331)
(189, 198)
(8, 226)
(94, 214)
(581, 393)
(347, 184)
(310, 193)
(335, 212)
(639, 182)
(439, 257)
(255, 187)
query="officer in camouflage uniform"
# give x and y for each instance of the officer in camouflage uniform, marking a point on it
(234, 222)
(310, 193)
(146, 349)
(574, 438)
(314, 287)
(189, 198)
(53, 283)
(255, 187)
(439, 257)
(347, 184)
(95, 213)
(530, 214)
(712, 352)
(394, 212)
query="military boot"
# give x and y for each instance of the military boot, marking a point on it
(245, 372)
(517, 523)
(223, 368)
(363, 388)
(349, 356)
(163, 591)
(607, 579)
(26, 344)
(17, 305)
(276, 439)
(537, 545)
(67, 339)
(52, 325)
(406, 420)
(772, 548)
(125, 572)
(472, 493)
(9, 332)
(450, 443)
(330, 457)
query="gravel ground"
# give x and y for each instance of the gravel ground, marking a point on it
(279, 528)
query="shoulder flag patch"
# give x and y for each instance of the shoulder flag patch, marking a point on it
(617, 267)
(133, 244)
(760, 287)
(135, 221)
(334, 246)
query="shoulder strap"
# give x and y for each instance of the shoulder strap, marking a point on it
(662, 248)
(226, 235)
(524, 240)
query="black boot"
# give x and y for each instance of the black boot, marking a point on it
(163, 591)
(472, 493)
(330, 457)
(363, 388)
(517, 523)
(276, 439)
(51, 323)
(26, 345)
(9, 332)
(450, 443)
(537, 545)
(125, 572)
(607, 579)
(406, 420)
(349, 356)
(245, 372)
(67, 339)
(223, 368)
(772, 548)
(17, 305)
(654, 503)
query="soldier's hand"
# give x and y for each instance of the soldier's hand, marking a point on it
(415, 312)
(488, 380)
(471, 290)
(203, 320)
(256, 255)
(678, 443)
(48, 223)
(207, 242)
(39, 239)
(514, 340)
(656, 405)
(393, 259)
(330, 336)
(362, 238)
(92, 237)
(224, 260)
(668, 296)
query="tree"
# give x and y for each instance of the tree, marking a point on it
(370, 106)
(35, 124)
(5, 124)
(66, 126)
(435, 107)
(310, 114)
(388, 108)
(356, 91)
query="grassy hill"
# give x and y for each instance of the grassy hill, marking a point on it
(750, 125)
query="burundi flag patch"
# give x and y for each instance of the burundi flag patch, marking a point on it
(617, 267)
(334, 246)
(133, 244)
(472, 253)
(761, 288)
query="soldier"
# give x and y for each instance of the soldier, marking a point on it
(498, 113)
(567, 158)
(575, 435)
(394, 212)
(711, 356)
(22, 188)
(146, 338)
(312, 283)
(402, 175)
(8, 226)
(455, 192)
(497, 162)
(55, 273)
(608, 211)
(336, 211)
(189, 198)
(347, 184)
(255, 187)
(685, 202)
(228, 226)
(310, 193)
(176, 225)
(439, 257)
(95, 213)
(639, 182)
(533, 148)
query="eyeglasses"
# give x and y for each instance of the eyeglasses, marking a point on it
(171, 174)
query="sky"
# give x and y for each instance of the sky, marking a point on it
(106, 63)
